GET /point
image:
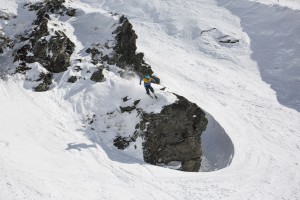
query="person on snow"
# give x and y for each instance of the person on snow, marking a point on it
(147, 84)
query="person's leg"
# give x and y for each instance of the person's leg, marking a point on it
(147, 90)
(152, 90)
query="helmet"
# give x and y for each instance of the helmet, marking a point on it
(147, 76)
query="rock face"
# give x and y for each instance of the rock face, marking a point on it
(125, 49)
(174, 135)
(51, 49)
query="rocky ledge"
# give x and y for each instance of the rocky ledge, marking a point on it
(174, 135)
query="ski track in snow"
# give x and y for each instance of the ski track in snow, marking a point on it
(36, 128)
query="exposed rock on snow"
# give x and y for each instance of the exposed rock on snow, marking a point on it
(174, 134)
(227, 39)
(98, 76)
(71, 12)
(125, 49)
(129, 108)
(72, 79)
(46, 82)
(50, 48)
(123, 142)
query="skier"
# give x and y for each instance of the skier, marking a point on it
(147, 83)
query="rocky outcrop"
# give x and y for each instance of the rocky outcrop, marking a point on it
(51, 49)
(125, 49)
(174, 135)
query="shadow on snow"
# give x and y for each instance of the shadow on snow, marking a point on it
(275, 44)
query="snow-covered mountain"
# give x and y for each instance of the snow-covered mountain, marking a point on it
(237, 60)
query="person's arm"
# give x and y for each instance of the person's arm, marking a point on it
(152, 80)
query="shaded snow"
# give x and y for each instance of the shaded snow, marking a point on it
(275, 44)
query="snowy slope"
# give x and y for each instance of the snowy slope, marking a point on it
(46, 152)
(292, 4)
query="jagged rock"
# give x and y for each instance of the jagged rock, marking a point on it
(72, 79)
(229, 41)
(52, 53)
(71, 12)
(125, 99)
(22, 68)
(174, 134)
(136, 102)
(127, 108)
(98, 76)
(122, 142)
(125, 49)
(126, 42)
(130, 108)
(47, 81)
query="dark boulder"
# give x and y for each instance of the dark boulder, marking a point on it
(71, 12)
(47, 81)
(98, 76)
(130, 108)
(72, 79)
(122, 142)
(174, 135)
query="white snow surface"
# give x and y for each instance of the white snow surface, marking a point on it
(49, 151)
(292, 4)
